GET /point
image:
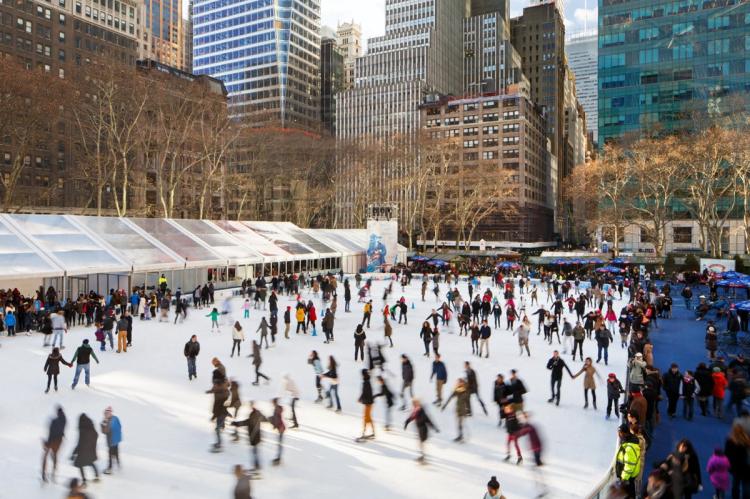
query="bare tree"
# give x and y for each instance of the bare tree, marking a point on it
(711, 184)
(654, 166)
(31, 103)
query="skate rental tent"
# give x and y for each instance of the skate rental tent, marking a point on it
(22, 265)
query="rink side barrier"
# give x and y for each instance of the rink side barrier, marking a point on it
(602, 488)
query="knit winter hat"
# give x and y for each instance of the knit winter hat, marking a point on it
(493, 484)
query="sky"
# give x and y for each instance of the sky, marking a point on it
(371, 14)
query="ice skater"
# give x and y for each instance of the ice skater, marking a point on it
(424, 423)
(85, 452)
(112, 429)
(257, 362)
(52, 367)
(53, 442)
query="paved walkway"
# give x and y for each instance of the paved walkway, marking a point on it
(681, 340)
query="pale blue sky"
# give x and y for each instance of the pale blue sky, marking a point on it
(371, 13)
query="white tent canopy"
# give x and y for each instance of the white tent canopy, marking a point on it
(111, 251)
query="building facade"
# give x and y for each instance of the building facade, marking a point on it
(331, 80)
(662, 64)
(66, 39)
(490, 61)
(349, 44)
(420, 53)
(267, 52)
(507, 132)
(539, 36)
(582, 51)
(163, 32)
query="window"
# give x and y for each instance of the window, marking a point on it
(490, 130)
(718, 69)
(470, 119)
(471, 144)
(88, 11)
(492, 104)
(720, 46)
(492, 142)
(62, 19)
(486, 155)
(612, 61)
(683, 74)
(78, 7)
(61, 36)
(490, 117)
(61, 73)
(613, 81)
(648, 34)
(680, 52)
(683, 235)
(613, 39)
(719, 22)
(471, 131)
(648, 56)
(471, 107)
(681, 29)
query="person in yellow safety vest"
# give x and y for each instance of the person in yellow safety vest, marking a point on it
(628, 463)
(163, 283)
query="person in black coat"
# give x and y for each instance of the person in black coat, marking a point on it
(556, 364)
(407, 377)
(53, 442)
(737, 449)
(252, 423)
(387, 394)
(423, 422)
(359, 342)
(671, 381)
(366, 398)
(219, 410)
(473, 386)
(85, 451)
(501, 396)
(705, 387)
(517, 390)
(426, 335)
(614, 389)
(191, 351)
(52, 367)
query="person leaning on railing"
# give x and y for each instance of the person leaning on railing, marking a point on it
(628, 461)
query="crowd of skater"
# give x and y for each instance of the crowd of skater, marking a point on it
(570, 314)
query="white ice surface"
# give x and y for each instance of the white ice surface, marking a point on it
(167, 432)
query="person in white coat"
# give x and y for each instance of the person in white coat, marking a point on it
(237, 337)
(289, 387)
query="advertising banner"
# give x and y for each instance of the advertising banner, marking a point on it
(382, 249)
(716, 266)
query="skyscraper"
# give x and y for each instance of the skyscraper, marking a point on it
(663, 62)
(420, 53)
(269, 59)
(163, 32)
(539, 36)
(490, 61)
(349, 43)
(582, 52)
(331, 78)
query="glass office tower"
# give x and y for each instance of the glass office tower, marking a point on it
(267, 53)
(662, 63)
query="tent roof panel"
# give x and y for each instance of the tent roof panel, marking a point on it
(307, 239)
(73, 249)
(194, 253)
(219, 241)
(242, 233)
(344, 244)
(273, 233)
(134, 248)
(19, 259)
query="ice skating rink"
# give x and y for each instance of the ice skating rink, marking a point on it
(167, 431)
